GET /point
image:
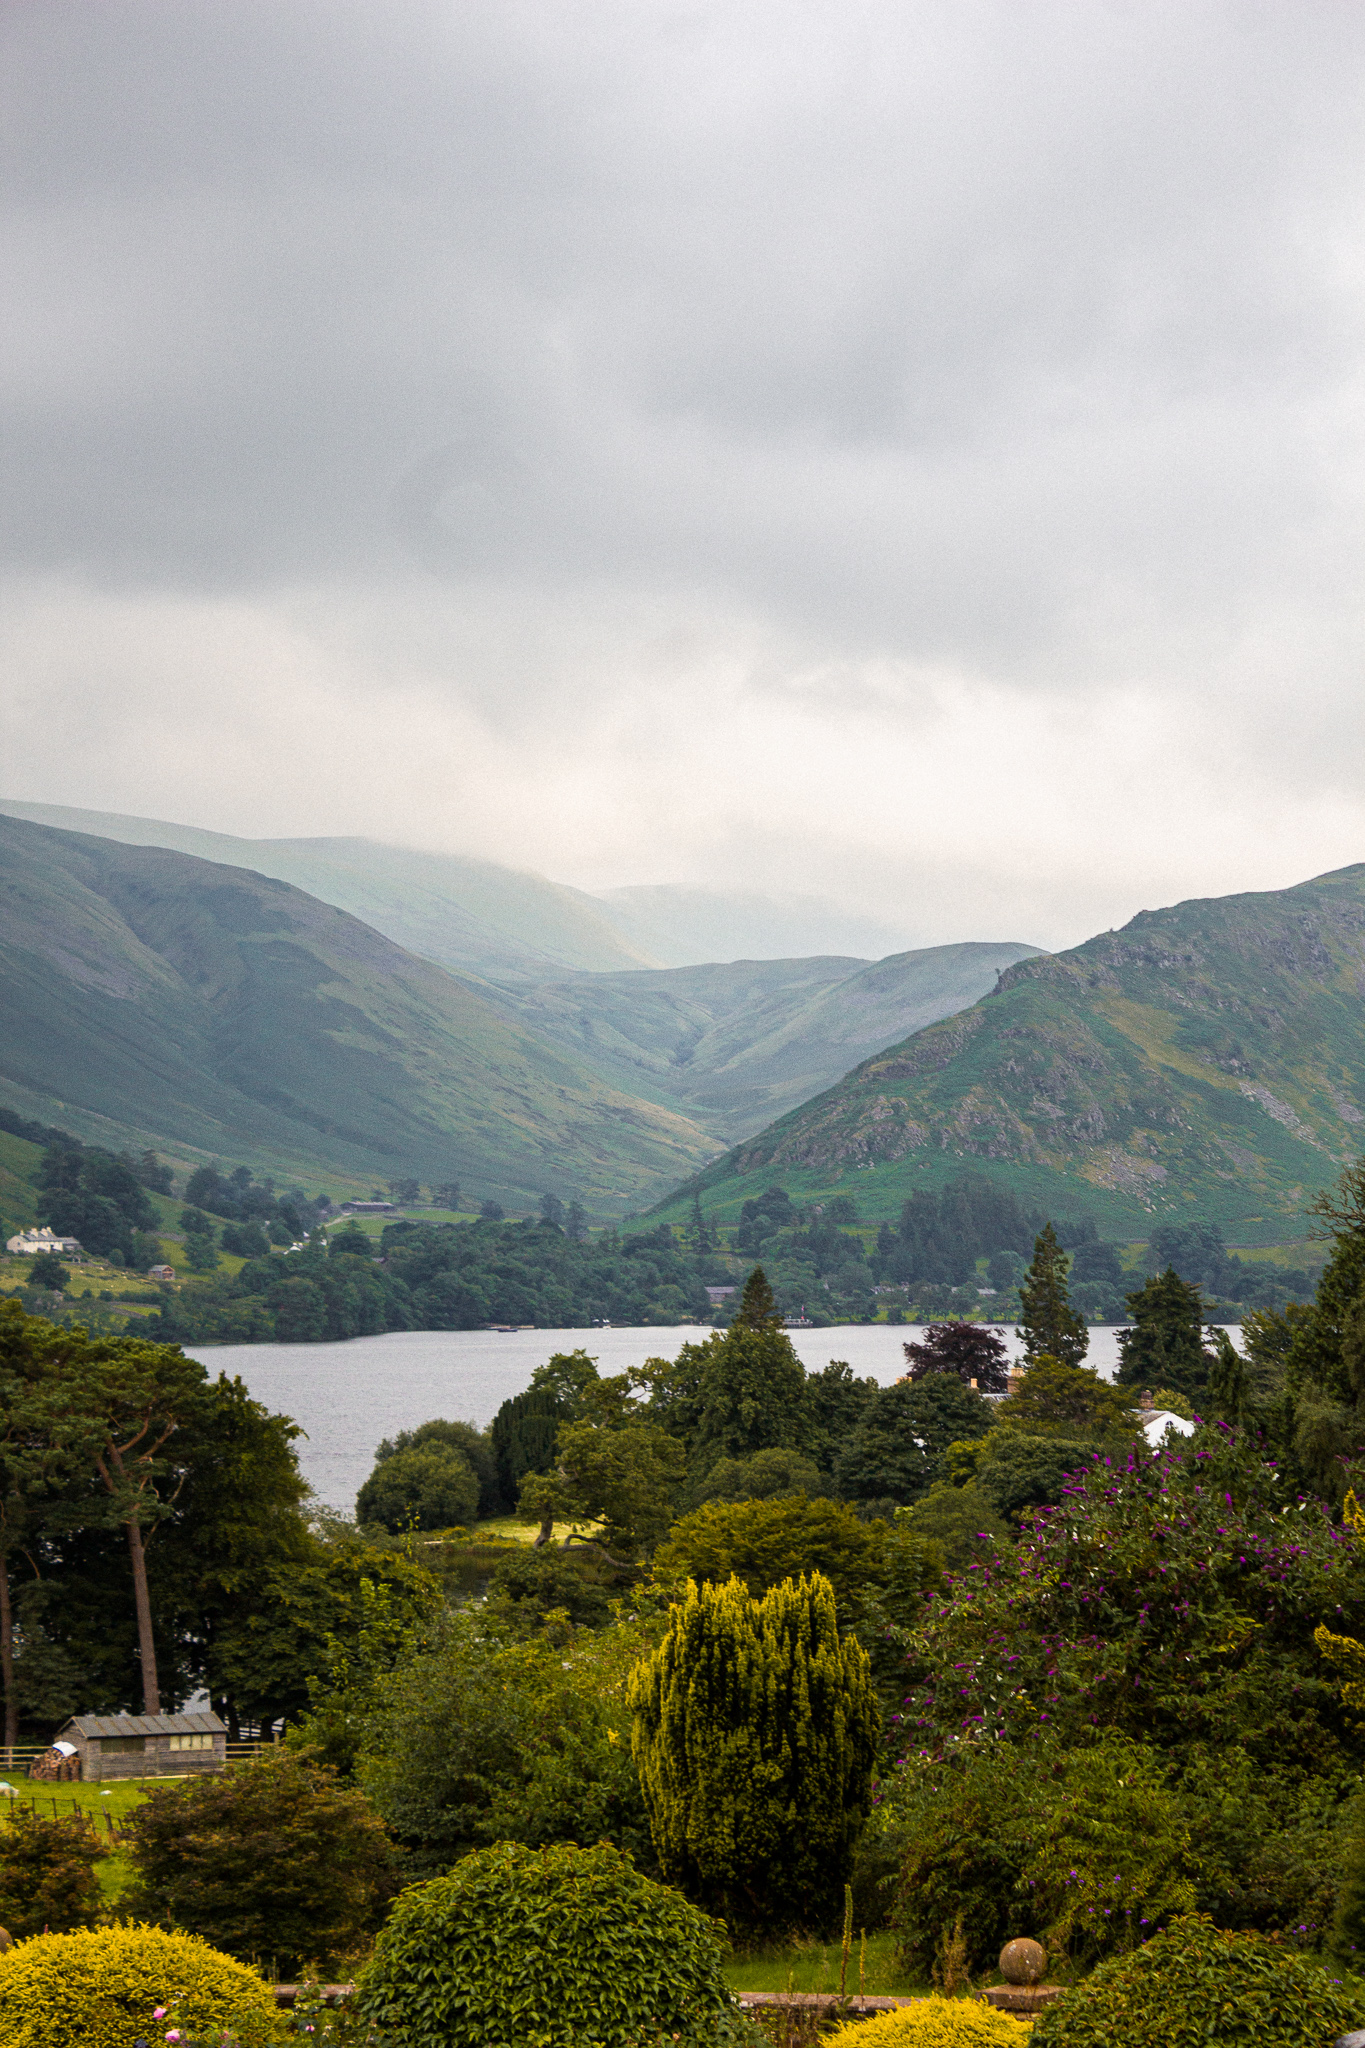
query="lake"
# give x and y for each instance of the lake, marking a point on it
(349, 1396)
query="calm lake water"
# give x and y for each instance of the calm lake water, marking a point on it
(348, 1396)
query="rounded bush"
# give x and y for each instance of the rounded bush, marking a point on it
(101, 1986)
(564, 1947)
(1193, 1986)
(935, 2023)
(434, 1487)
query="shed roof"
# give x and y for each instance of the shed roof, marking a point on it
(94, 1727)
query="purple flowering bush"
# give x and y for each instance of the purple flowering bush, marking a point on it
(1171, 1598)
(1125, 1716)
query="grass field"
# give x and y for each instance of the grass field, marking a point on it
(814, 1966)
(57, 1802)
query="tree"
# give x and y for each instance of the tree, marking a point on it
(962, 1520)
(835, 1404)
(273, 1858)
(751, 1386)
(758, 1309)
(331, 1624)
(137, 1396)
(522, 1436)
(897, 1449)
(431, 1486)
(762, 1477)
(405, 1192)
(1057, 1399)
(974, 1354)
(43, 1443)
(755, 1736)
(475, 1444)
(495, 1733)
(611, 1469)
(1016, 1471)
(552, 1211)
(47, 1874)
(446, 1194)
(576, 1223)
(766, 1541)
(1328, 1345)
(1165, 1348)
(1047, 1321)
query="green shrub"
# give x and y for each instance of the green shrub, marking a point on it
(431, 1486)
(1195, 1986)
(561, 1947)
(47, 1874)
(933, 2023)
(764, 1542)
(99, 1988)
(754, 1735)
(528, 1584)
(273, 1859)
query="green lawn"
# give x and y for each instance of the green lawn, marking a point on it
(814, 1966)
(54, 1802)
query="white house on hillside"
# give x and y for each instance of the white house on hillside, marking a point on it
(29, 1242)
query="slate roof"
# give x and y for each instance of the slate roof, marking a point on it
(95, 1726)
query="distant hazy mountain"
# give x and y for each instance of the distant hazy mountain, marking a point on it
(681, 927)
(147, 996)
(731, 1046)
(481, 918)
(1205, 1061)
(471, 915)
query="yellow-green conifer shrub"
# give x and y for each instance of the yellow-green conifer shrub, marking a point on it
(100, 1987)
(936, 2023)
(755, 1730)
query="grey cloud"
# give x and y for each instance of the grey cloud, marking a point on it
(838, 349)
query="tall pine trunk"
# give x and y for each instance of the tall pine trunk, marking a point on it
(7, 1657)
(151, 1691)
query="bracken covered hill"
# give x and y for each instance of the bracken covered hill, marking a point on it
(1207, 1060)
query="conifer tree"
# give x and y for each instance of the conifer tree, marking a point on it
(758, 1309)
(1165, 1347)
(1048, 1324)
(755, 1734)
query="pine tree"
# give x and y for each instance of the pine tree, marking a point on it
(758, 1309)
(755, 1735)
(1047, 1321)
(1165, 1347)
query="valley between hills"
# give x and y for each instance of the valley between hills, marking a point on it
(416, 1015)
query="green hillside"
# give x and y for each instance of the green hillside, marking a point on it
(469, 915)
(149, 997)
(734, 1045)
(1207, 1060)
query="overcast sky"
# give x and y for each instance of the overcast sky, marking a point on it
(909, 453)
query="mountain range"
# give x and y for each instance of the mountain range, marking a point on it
(148, 997)
(154, 997)
(477, 917)
(1207, 1060)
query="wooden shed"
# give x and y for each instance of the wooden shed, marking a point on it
(146, 1745)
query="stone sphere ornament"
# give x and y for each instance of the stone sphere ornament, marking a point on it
(1023, 1962)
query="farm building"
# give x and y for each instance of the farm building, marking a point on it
(146, 1745)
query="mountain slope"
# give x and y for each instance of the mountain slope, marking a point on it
(733, 1045)
(1207, 1060)
(148, 996)
(469, 915)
